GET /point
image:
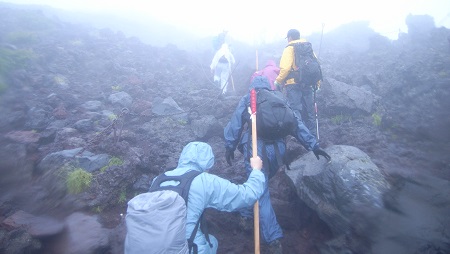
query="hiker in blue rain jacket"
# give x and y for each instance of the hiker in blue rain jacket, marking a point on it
(211, 191)
(270, 229)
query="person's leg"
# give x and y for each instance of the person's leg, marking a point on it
(308, 107)
(294, 95)
(270, 228)
(217, 72)
(224, 77)
(247, 212)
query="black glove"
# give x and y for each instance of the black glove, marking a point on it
(229, 155)
(319, 151)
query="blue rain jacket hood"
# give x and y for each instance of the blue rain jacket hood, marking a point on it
(196, 155)
(260, 82)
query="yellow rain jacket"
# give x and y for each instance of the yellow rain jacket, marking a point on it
(287, 63)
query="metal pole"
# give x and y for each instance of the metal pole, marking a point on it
(317, 118)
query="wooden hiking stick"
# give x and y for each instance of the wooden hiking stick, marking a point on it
(232, 83)
(255, 154)
(230, 77)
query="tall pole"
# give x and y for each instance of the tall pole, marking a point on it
(231, 77)
(315, 89)
(255, 154)
(317, 118)
(321, 36)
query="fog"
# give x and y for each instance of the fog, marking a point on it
(253, 22)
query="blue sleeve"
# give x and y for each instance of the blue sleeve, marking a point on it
(304, 136)
(211, 191)
(233, 129)
(227, 196)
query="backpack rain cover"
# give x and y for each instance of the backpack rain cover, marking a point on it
(156, 220)
(156, 223)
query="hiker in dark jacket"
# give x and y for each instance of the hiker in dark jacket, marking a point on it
(211, 191)
(271, 230)
(300, 96)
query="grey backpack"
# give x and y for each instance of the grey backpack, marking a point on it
(156, 220)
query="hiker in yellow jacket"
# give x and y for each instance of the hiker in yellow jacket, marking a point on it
(300, 96)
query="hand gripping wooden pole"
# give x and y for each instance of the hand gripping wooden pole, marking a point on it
(255, 153)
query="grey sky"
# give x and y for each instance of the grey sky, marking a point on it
(251, 20)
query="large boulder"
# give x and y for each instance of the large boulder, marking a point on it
(121, 98)
(342, 190)
(166, 106)
(338, 188)
(345, 98)
(36, 226)
(206, 127)
(83, 235)
(368, 214)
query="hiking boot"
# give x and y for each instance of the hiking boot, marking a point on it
(246, 224)
(275, 247)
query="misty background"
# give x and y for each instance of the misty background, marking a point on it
(386, 97)
(189, 23)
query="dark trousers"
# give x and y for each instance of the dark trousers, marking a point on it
(301, 99)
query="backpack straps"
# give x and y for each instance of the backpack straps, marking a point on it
(205, 230)
(182, 188)
(292, 71)
(193, 246)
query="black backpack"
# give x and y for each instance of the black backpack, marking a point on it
(274, 118)
(308, 69)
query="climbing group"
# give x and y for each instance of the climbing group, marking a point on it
(279, 103)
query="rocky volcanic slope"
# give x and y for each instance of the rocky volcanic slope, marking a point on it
(133, 107)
